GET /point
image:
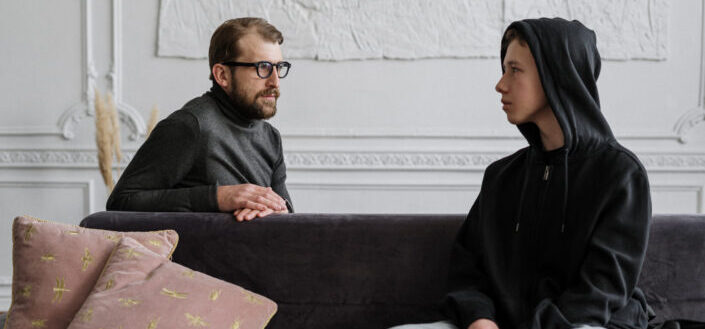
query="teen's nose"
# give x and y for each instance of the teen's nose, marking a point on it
(501, 87)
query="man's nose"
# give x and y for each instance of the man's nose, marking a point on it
(273, 80)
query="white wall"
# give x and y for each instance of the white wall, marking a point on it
(401, 136)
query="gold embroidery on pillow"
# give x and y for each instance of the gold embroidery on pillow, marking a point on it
(195, 321)
(130, 253)
(39, 323)
(215, 294)
(155, 243)
(250, 298)
(188, 273)
(30, 230)
(236, 325)
(48, 258)
(128, 302)
(153, 324)
(113, 237)
(86, 316)
(173, 294)
(109, 284)
(27, 290)
(59, 290)
(86, 260)
(74, 232)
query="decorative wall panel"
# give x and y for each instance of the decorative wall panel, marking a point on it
(405, 29)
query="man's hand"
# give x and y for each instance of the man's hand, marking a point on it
(483, 324)
(250, 214)
(249, 196)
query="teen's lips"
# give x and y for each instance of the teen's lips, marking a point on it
(505, 105)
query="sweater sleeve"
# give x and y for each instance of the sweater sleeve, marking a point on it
(166, 157)
(468, 299)
(279, 176)
(611, 267)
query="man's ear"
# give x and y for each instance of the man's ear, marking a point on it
(221, 75)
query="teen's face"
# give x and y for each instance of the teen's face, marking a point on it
(257, 97)
(523, 99)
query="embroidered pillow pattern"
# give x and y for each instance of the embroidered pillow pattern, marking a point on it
(55, 266)
(141, 289)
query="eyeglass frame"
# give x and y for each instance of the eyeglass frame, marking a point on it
(256, 65)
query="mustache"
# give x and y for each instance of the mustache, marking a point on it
(269, 92)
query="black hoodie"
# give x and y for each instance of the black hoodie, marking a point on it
(557, 239)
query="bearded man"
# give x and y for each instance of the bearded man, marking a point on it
(217, 153)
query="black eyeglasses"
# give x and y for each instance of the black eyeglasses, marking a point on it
(265, 68)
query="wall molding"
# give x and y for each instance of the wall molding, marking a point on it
(343, 160)
(88, 75)
(695, 116)
(135, 123)
(69, 119)
(5, 292)
(86, 186)
(699, 191)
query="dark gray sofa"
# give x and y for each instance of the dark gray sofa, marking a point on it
(374, 271)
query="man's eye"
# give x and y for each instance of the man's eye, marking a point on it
(514, 69)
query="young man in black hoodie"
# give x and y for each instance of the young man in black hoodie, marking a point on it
(557, 236)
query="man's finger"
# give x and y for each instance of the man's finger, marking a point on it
(269, 201)
(265, 213)
(242, 215)
(252, 214)
(279, 202)
(252, 205)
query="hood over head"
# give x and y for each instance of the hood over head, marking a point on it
(568, 63)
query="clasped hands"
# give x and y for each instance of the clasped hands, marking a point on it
(248, 201)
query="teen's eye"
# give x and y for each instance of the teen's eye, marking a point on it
(514, 69)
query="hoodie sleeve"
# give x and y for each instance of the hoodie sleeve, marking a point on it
(160, 164)
(612, 263)
(468, 299)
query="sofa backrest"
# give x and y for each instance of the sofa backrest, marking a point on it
(374, 271)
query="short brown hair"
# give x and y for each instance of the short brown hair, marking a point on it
(223, 45)
(509, 36)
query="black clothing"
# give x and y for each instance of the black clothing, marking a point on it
(557, 239)
(190, 153)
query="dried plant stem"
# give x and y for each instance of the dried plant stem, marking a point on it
(153, 119)
(115, 121)
(104, 136)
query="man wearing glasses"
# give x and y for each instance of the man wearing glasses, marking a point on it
(217, 153)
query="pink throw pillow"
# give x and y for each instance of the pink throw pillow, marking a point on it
(141, 289)
(55, 266)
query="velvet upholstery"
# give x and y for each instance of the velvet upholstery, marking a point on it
(375, 271)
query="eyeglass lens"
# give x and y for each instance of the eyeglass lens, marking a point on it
(264, 69)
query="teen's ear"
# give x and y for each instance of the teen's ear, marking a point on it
(221, 75)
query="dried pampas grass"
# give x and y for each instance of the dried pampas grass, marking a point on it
(104, 140)
(115, 120)
(153, 119)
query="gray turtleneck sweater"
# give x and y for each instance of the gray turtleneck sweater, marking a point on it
(189, 154)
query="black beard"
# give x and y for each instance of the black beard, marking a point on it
(251, 111)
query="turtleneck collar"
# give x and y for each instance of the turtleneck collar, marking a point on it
(228, 109)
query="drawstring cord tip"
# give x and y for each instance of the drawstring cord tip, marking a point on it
(563, 228)
(516, 228)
